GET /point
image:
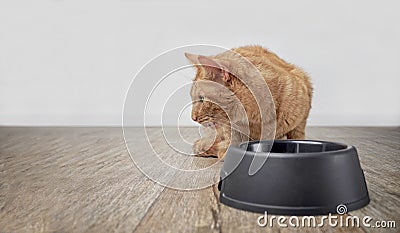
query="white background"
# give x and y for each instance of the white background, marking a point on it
(66, 62)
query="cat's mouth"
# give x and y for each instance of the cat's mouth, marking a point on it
(206, 123)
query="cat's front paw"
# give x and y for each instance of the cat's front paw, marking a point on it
(221, 154)
(203, 148)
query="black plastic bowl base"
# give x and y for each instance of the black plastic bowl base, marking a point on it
(300, 177)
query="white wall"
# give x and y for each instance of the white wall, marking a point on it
(66, 62)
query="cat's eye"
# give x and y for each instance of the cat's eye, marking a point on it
(201, 99)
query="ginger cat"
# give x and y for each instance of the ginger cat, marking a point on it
(289, 87)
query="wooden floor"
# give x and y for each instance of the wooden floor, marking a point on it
(83, 180)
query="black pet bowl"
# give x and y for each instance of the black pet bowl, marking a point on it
(298, 178)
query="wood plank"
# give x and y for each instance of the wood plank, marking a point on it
(82, 179)
(70, 180)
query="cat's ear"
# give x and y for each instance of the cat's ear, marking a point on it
(192, 58)
(220, 73)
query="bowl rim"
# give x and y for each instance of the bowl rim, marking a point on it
(239, 149)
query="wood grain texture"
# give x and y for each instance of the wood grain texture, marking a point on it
(83, 180)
